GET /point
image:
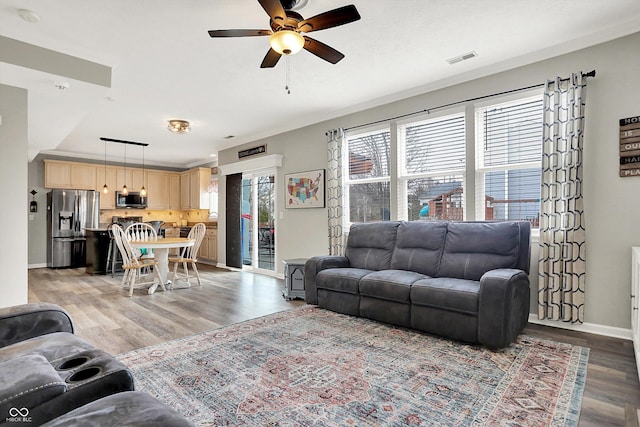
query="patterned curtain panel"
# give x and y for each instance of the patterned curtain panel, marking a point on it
(562, 230)
(334, 191)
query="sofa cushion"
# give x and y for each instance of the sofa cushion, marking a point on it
(341, 279)
(419, 245)
(370, 245)
(472, 248)
(392, 285)
(447, 293)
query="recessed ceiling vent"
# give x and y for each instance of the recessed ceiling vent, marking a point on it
(461, 58)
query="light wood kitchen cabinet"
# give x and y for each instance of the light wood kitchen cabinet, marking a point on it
(106, 176)
(166, 190)
(185, 190)
(69, 175)
(174, 191)
(212, 244)
(158, 190)
(83, 176)
(57, 174)
(194, 185)
(209, 247)
(133, 178)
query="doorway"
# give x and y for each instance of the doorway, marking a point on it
(258, 221)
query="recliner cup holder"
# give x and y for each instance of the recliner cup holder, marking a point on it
(73, 363)
(84, 374)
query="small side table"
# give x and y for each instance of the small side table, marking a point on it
(294, 278)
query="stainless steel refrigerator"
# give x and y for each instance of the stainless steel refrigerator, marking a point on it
(69, 214)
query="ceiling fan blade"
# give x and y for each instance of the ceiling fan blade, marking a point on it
(333, 18)
(321, 50)
(239, 33)
(274, 9)
(271, 59)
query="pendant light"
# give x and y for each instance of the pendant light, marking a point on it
(105, 187)
(143, 191)
(125, 190)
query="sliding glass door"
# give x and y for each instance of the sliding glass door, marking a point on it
(258, 221)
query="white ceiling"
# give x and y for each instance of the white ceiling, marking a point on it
(166, 66)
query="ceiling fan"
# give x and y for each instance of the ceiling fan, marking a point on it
(287, 35)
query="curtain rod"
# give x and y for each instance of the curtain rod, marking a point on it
(591, 73)
(144, 144)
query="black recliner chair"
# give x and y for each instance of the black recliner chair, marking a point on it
(47, 369)
(48, 374)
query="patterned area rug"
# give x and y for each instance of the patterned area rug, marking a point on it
(312, 367)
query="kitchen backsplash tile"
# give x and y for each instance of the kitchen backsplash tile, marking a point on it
(168, 216)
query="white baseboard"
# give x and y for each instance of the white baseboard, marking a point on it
(276, 275)
(30, 266)
(591, 328)
(226, 267)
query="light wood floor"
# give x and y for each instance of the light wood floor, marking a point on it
(106, 317)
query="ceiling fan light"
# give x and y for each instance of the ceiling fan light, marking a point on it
(179, 126)
(286, 42)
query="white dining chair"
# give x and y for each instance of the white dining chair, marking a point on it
(189, 255)
(140, 231)
(132, 265)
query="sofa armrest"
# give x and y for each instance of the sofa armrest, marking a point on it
(21, 322)
(315, 265)
(503, 309)
(27, 382)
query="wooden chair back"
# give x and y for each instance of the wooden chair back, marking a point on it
(196, 233)
(126, 250)
(140, 231)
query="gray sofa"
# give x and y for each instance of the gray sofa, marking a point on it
(463, 280)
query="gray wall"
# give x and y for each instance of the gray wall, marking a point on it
(611, 202)
(38, 220)
(13, 179)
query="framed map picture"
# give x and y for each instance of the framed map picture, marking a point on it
(304, 189)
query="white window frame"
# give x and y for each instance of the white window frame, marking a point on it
(481, 169)
(404, 176)
(348, 182)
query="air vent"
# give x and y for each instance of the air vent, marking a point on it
(461, 58)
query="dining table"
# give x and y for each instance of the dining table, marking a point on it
(160, 248)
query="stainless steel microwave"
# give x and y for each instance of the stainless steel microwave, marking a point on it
(130, 200)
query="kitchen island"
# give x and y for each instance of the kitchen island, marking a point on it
(97, 250)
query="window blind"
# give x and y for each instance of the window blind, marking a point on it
(435, 145)
(510, 158)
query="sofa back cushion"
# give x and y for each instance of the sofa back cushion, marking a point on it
(370, 245)
(473, 248)
(419, 246)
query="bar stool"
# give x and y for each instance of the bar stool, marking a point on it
(113, 255)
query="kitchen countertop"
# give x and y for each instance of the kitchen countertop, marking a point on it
(208, 224)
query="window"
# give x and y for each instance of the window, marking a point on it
(508, 152)
(367, 187)
(437, 159)
(432, 168)
(212, 189)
